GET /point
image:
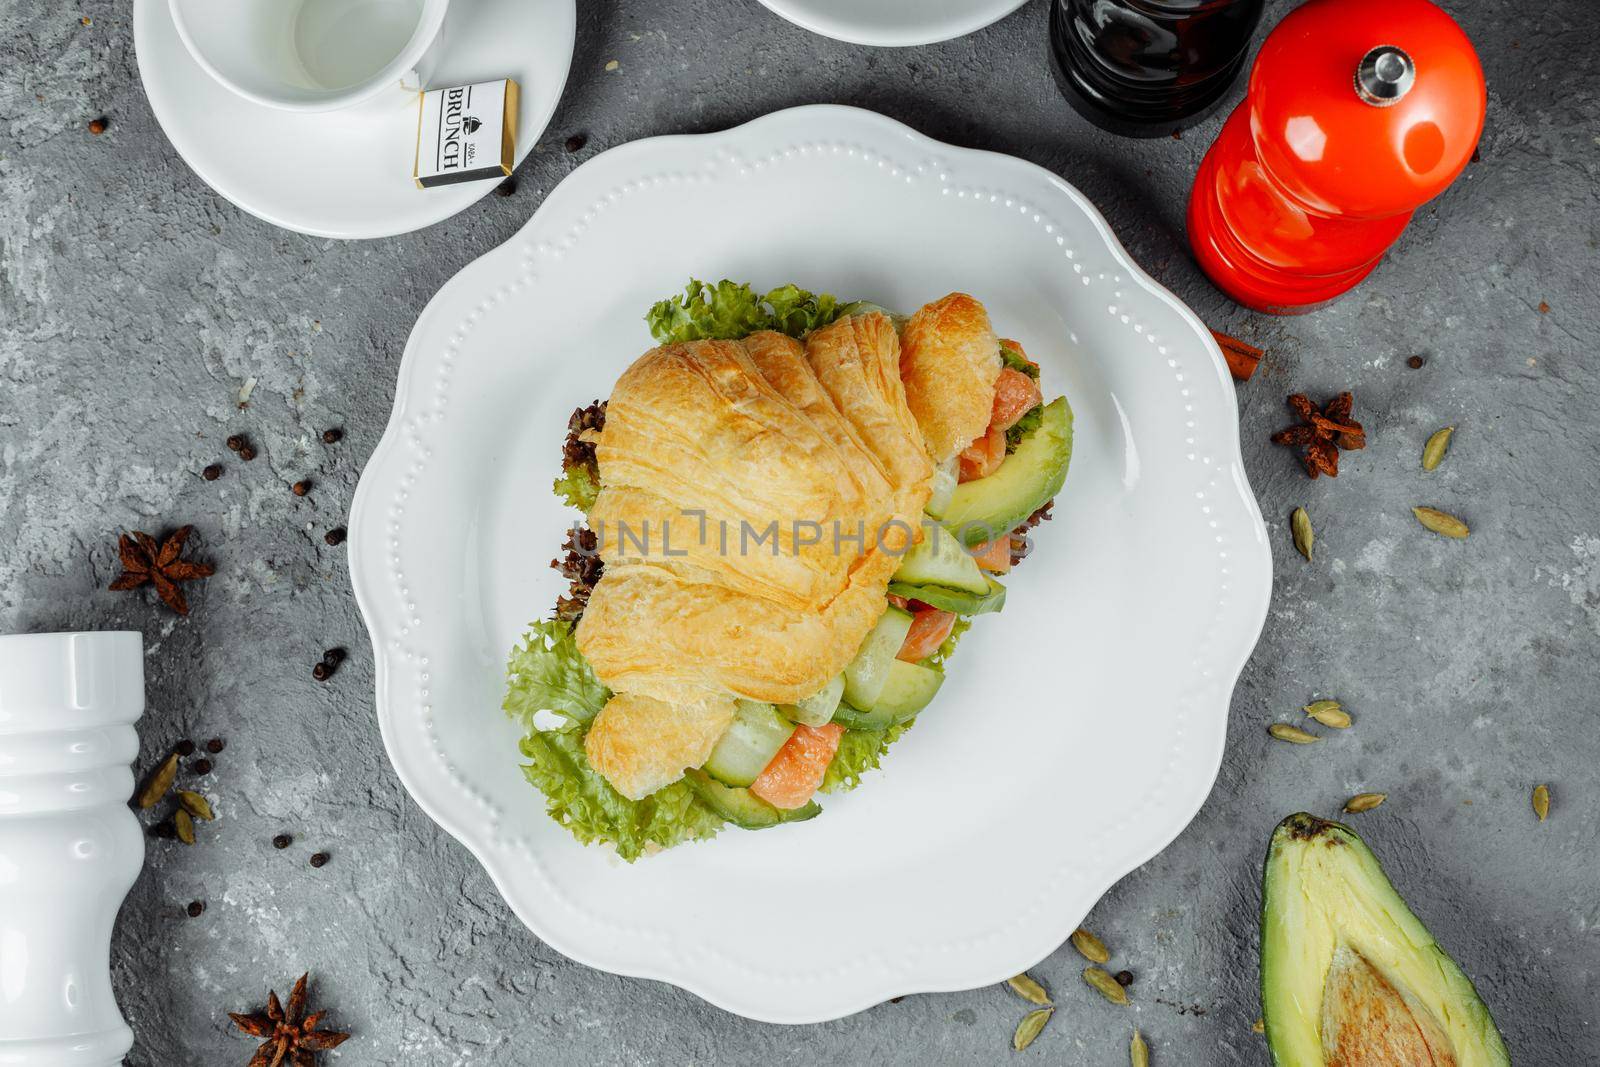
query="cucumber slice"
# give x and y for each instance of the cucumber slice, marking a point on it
(909, 688)
(866, 674)
(817, 709)
(748, 745)
(939, 559)
(743, 808)
(945, 477)
(957, 600)
(982, 510)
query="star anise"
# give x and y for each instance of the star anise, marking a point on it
(145, 561)
(291, 1035)
(1323, 433)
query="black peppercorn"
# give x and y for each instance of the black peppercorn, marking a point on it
(247, 453)
(301, 488)
(336, 535)
(164, 829)
(184, 747)
(98, 126)
(333, 657)
(318, 859)
(1415, 362)
(576, 142)
(321, 672)
(215, 745)
(201, 766)
(212, 473)
(196, 907)
(332, 437)
(282, 841)
(1124, 978)
(235, 443)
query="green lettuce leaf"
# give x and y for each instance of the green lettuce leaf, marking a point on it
(859, 752)
(730, 310)
(547, 672)
(577, 487)
(585, 803)
(797, 312)
(1010, 357)
(1024, 426)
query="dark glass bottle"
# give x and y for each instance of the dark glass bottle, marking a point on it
(1143, 68)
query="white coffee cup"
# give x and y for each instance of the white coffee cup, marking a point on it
(311, 55)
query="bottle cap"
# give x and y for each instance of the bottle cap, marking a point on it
(1366, 108)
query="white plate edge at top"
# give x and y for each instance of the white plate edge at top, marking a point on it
(907, 36)
(457, 819)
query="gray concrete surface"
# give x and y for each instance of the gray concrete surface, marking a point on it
(134, 302)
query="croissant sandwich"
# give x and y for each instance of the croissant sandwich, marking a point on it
(792, 509)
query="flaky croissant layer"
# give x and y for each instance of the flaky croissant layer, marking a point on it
(764, 433)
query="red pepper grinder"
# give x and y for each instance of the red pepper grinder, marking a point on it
(1357, 113)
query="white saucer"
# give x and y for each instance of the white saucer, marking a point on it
(348, 173)
(893, 22)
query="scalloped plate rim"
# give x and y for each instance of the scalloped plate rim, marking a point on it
(724, 993)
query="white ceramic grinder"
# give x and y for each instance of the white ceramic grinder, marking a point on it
(70, 848)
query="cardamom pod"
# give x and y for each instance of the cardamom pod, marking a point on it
(185, 825)
(1433, 452)
(1029, 1027)
(196, 805)
(1138, 1051)
(1329, 713)
(1441, 522)
(1541, 801)
(160, 780)
(1293, 734)
(1107, 986)
(1304, 535)
(1090, 946)
(1364, 802)
(1029, 990)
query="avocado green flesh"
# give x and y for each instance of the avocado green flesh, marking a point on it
(957, 600)
(984, 509)
(742, 807)
(1325, 903)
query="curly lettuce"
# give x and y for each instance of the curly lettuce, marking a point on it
(585, 803)
(577, 488)
(548, 673)
(729, 310)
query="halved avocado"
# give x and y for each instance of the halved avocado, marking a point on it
(984, 509)
(742, 807)
(1349, 976)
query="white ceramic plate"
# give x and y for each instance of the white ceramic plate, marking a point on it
(348, 173)
(988, 834)
(893, 22)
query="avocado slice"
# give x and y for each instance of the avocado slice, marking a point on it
(1349, 976)
(742, 807)
(957, 600)
(984, 509)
